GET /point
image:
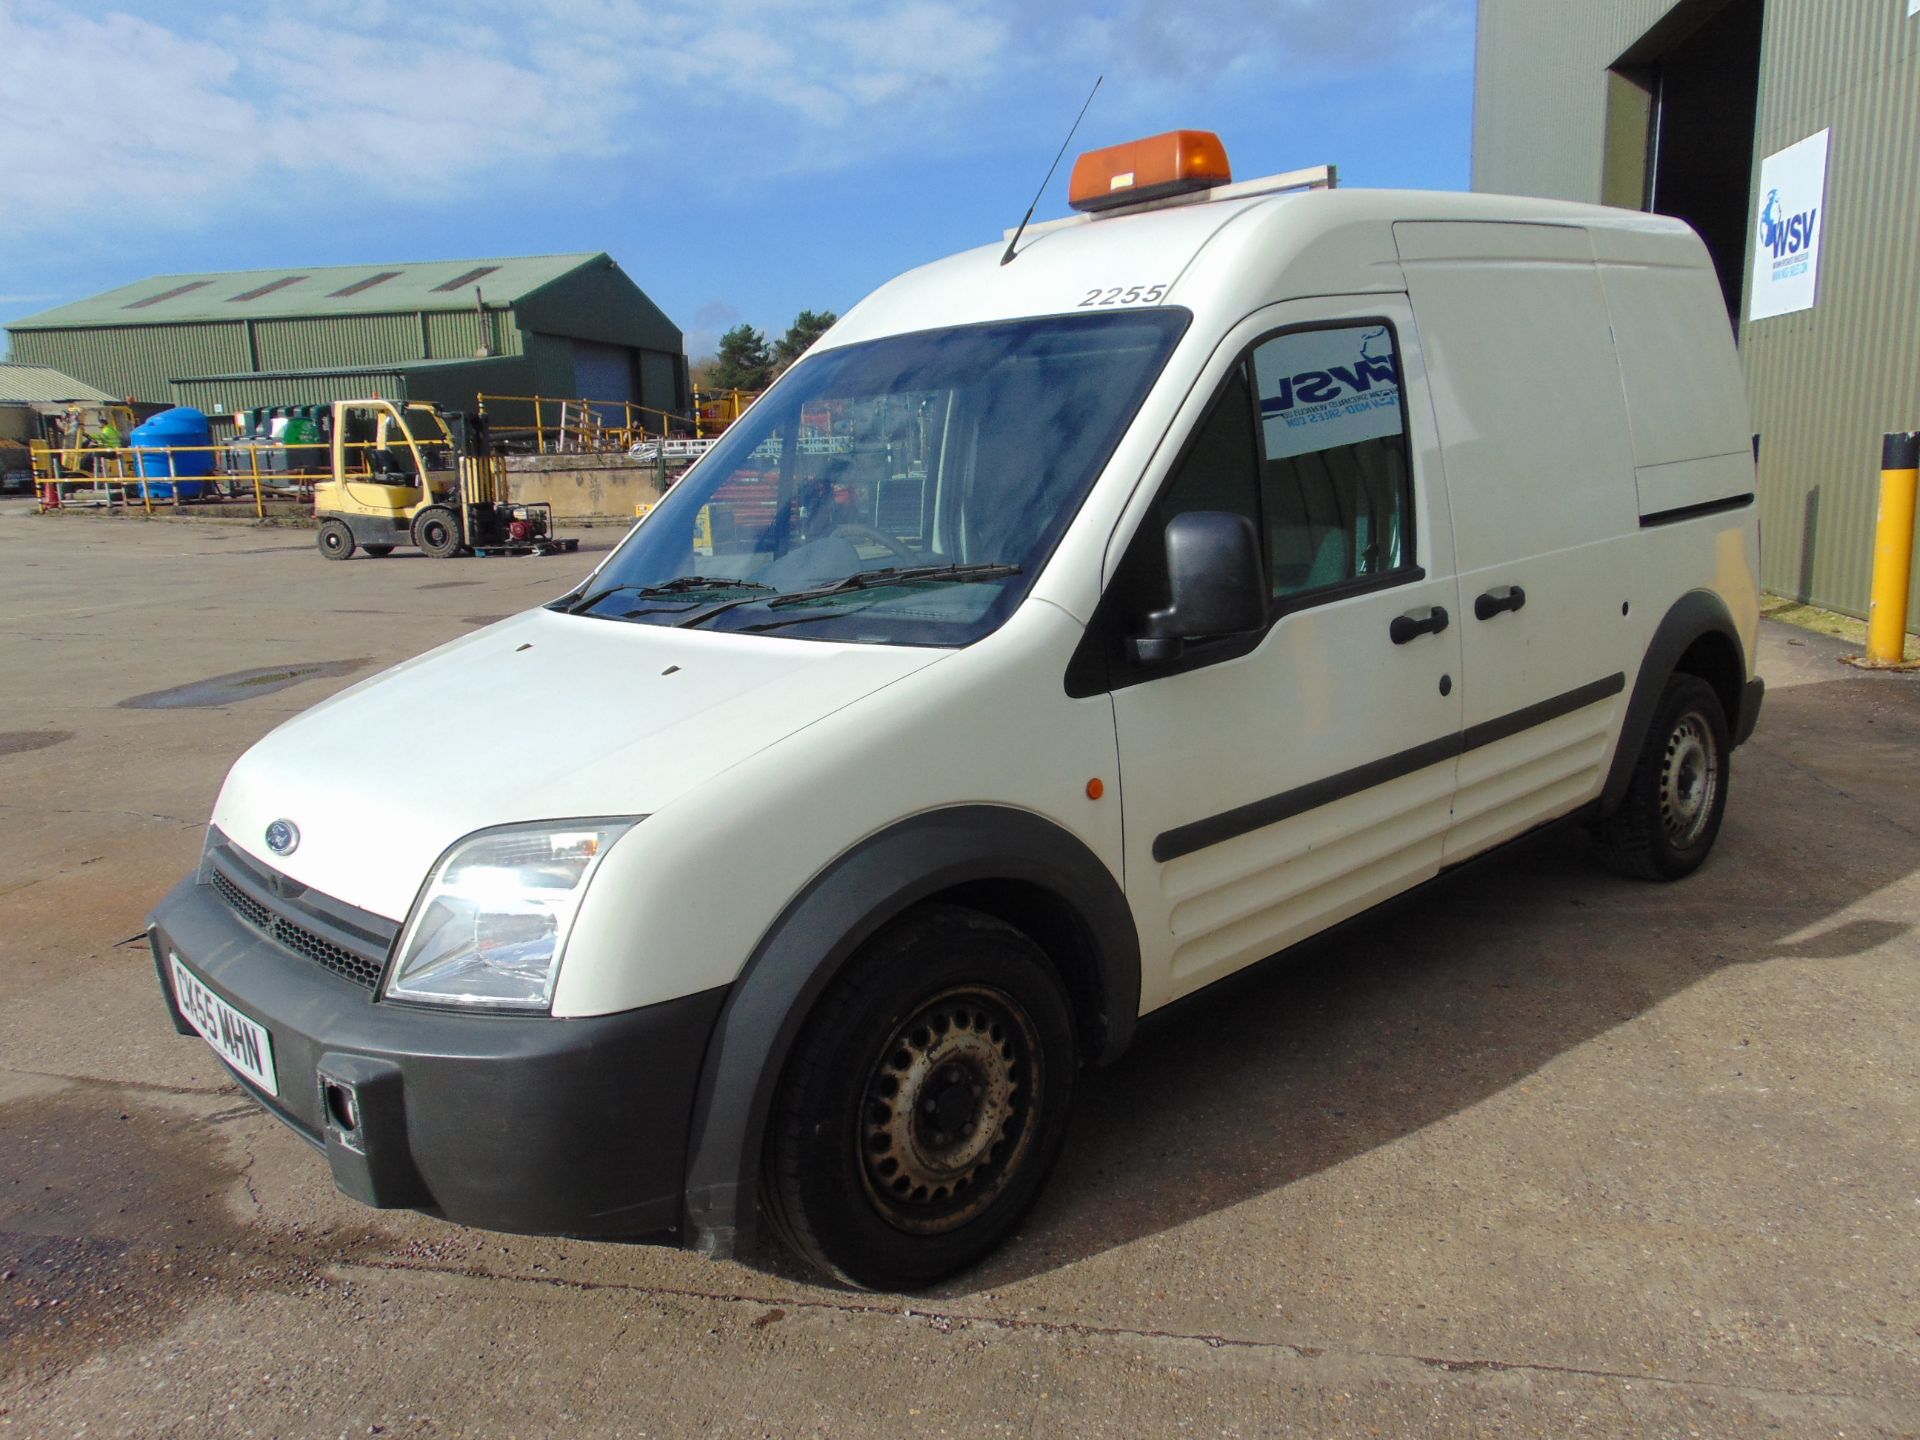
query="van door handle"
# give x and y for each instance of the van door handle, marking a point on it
(1406, 627)
(1486, 606)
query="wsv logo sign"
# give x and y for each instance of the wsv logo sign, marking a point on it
(1787, 236)
(1374, 366)
(1783, 264)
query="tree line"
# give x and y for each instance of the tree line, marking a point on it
(746, 361)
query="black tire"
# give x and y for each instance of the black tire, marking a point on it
(436, 531)
(1675, 800)
(924, 1104)
(378, 552)
(335, 540)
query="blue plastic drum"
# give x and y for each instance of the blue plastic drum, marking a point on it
(182, 425)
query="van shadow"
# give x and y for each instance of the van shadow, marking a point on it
(1467, 987)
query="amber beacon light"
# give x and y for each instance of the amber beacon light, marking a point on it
(1171, 164)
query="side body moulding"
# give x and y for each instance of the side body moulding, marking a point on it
(1011, 863)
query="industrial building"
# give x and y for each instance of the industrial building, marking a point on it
(446, 331)
(38, 387)
(1787, 132)
(29, 396)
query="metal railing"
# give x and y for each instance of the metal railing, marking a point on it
(569, 425)
(128, 477)
(121, 476)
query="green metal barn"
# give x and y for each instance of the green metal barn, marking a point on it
(446, 330)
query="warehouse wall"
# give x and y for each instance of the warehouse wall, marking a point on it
(1824, 383)
(332, 340)
(137, 360)
(599, 302)
(532, 344)
(453, 387)
(1828, 382)
(140, 360)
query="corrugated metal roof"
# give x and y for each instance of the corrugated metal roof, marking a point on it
(302, 290)
(42, 385)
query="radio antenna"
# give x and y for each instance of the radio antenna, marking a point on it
(1022, 229)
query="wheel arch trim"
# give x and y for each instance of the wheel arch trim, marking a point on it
(1694, 616)
(885, 875)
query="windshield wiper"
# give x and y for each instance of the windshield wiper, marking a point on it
(863, 580)
(898, 575)
(679, 585)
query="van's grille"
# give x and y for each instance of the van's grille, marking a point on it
(295, 937)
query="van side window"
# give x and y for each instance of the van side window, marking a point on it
(1336, 481)
(1221, 471)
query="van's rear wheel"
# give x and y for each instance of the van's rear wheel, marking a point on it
(335, 540)
(1671, 815)
(924, 1104)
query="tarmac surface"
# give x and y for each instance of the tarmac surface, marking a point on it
(1539, 1152)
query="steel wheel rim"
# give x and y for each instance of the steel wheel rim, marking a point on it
(333, 540)
(945, 1115)
(1689, 780)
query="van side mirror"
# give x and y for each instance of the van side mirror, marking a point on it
(1214, 586)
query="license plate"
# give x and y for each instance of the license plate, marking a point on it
(239, 1041)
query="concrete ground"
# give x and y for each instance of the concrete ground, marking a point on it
(1542, 1152)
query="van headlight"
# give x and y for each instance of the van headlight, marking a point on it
(492, 920)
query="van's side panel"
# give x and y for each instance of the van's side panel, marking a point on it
(1687, 407)
(1539, 468)
(1685, 398)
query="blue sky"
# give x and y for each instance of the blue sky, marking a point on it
(742, 159)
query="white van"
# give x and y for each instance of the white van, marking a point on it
(1061, 635)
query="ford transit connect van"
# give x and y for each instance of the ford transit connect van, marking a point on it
(1063, 634)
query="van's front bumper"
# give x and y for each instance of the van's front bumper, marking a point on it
(508, 1122)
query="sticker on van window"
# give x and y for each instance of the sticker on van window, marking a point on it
(1123, 295)
(1322, 388)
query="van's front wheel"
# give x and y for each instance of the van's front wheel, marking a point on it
(1674, 803)
(924, 1104)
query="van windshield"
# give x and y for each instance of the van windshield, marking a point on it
(904, 491)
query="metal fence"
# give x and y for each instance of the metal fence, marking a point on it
(123, 476)
(247, 473)
(554, 425)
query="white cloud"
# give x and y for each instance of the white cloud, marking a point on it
(1286, 43)
(148, 118)
(167, 110)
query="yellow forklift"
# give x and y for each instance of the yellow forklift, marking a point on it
(405, 473)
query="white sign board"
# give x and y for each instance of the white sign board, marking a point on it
(1789, 231)
(1322, 388)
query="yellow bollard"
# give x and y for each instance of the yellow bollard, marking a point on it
(1893, 549)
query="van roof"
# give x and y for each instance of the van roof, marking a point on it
(1228, 255)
